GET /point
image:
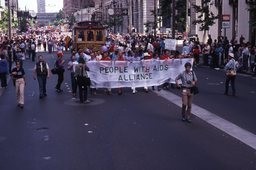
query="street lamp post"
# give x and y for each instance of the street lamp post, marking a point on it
(114, 5)
(130, 15)
(173, 18)
(9, 20)
(155, 18)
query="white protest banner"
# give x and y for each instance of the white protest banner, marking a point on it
(108, 74)
(170, 44)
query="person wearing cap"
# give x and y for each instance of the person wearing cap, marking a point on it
(59, 64)
(188, 80)
(230, 69)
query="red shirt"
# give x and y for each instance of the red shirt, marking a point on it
(164, 57)
(106, 58)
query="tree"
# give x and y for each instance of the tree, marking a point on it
(23, 24)
(71, 20)
(4, 21)
(114, 21)
(180, 14)
(60, 17)
(206, 18)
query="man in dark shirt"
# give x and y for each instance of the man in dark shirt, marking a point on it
(41, 72)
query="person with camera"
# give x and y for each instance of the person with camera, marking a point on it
(230, 69)
(188, 81)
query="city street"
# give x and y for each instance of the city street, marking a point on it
(141, 131)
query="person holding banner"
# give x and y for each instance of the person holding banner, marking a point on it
(120, 57)
(147, 56)
(105, 57)
(188, 80)
(82, 80)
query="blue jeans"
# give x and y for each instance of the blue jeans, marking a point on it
(42, 84)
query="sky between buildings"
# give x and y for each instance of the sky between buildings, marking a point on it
(51, 5)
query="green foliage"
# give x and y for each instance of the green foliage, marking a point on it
(166, 8)
(71, 20)
(4, 21)
(180, 16)
(60, 17)
(114, 21)
(23, 24)
(149, 25)
(205, 18)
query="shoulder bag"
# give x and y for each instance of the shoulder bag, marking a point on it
(194, 89)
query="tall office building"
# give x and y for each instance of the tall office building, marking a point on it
(41, 6)
(71, 6)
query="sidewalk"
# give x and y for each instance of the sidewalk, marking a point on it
(222, 69)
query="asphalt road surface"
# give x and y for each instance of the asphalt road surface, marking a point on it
(141, 131)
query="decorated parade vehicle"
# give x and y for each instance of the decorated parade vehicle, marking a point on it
(89, 35)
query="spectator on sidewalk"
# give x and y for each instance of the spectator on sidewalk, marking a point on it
(230, 69)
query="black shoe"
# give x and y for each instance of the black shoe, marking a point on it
(87, 101)
(183, 119)
(21, 106)
(41, 96)
(189, 120)
(59, 90)
(45, 94)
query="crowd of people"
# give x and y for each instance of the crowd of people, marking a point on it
(214, 53)
(218, 53)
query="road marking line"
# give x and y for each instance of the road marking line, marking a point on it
(233, 130)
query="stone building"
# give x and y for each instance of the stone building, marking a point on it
(41, 6)
(139, 13)
(71, 6)
(241, 14)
